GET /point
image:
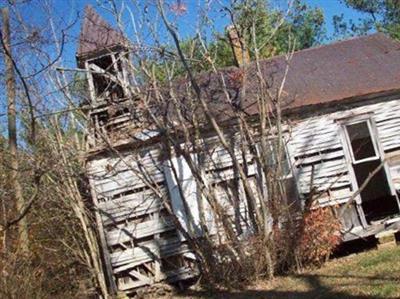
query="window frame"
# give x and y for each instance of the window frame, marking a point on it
(372, 136)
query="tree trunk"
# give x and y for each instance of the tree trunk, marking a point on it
(12, 131)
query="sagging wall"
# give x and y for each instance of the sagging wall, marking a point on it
(143, 245)
(316, 149)
(129, 188)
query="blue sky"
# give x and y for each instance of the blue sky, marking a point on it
(68, 9)
(71, 11)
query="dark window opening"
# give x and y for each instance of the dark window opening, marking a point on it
(105, 87)
(376, 199)
(105, 63)
(361, 142)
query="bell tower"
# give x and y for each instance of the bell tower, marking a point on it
(103, 53)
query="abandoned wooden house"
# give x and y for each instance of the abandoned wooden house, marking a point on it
(344, 111)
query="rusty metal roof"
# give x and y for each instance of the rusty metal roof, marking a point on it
(342, 70)
(327, 74)
(97, 35)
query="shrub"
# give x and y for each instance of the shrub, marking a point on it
(319, 236)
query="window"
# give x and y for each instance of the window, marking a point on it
(361, 142)
(377, 198)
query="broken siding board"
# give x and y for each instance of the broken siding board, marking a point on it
(123, 176)
(172, 276)
(128, 209)
(119, 184)
(324, 168)
(136, 198)
(125, 209)
(319, 158)
(148, 252)
(103, 243)
(334, 197)
(101, 166)
(220, 175)
(322, 187)
(311, 136)
(134, 231)
(315, 148)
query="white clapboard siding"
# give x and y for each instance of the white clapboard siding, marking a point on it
(217, 157)
(336, 197)
(220, 158)
(134, 215)
(319, 157)
(220, 175)
(316, 142)
(311, 148)
(124, 182)
(123, 161)
(325, 184)
(130, 206)
(133, 231)
(114, 175)
(147, 252)
(326, 168)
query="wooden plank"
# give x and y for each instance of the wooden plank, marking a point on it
(140, 230)
(147, 157)
(183, 193)
(141, 277)
(317, 147)
(131, 284)
(103, 243)
(147, 252)
(324, 169)
(319, 158)
(137, 199)
(110, 188)
(126, 213)
(179, 274)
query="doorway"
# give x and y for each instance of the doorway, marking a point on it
(378, 197)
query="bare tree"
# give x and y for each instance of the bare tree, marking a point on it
(12, 132)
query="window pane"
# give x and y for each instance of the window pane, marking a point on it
(361, 142)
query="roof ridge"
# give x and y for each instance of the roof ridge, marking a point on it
(311, 49)
(343, 41)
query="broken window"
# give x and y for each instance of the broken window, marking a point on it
(377, 198)
(106, 76)
(361, 141)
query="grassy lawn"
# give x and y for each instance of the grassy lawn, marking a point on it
(372, 274)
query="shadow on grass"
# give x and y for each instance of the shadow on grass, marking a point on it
(317, 290)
